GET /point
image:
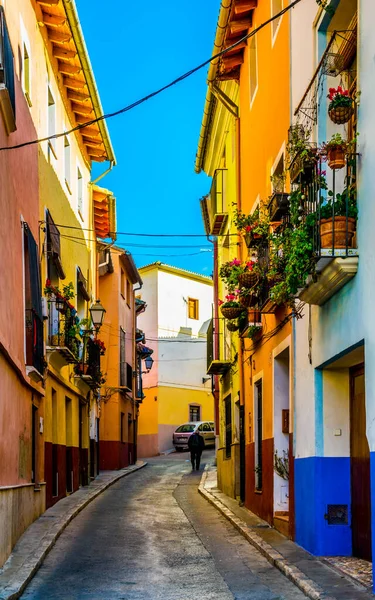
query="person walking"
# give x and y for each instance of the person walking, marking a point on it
(196, 447)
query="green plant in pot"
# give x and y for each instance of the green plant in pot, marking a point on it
(336, 150)
(254, 332)
(338, 219)
(302, 155)
(340, 107)
(234, 273)
(231, 308)
(255, 226)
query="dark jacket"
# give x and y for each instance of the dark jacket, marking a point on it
(196, 442)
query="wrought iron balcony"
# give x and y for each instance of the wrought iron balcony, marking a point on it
(218, 362)
(88, 369)
(62, 336)
(332, 219)
(214, 206)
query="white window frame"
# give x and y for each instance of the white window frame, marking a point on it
(253, 96)
(274, 33)
(67, 163)
(80, 195)
(51, 143)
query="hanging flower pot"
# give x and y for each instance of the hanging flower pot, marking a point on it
(231, 312)
(341, 114)
(336, 157)
(231, 326)
(249, 300)
(340, 109)
(337, 232)
(248, 279)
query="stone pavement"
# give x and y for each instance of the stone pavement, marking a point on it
(153, 537)
(316, 579)
(37, 541)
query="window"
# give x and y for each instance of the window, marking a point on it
(80, 193)
(7, 87)
(67, 162)
(129, 290)
(207, 427)
(193, 308)
(122, 284)
(194, 413)
(26, 81)
(51, 124)
(258, 435)
(276, 7)
(228, 426)
(33, 303)
(122, 358)
(278, 176)
(253, 67)
(69, 444)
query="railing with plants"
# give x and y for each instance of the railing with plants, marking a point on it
(318, 220)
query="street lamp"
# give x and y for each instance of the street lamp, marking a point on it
(97, 314)
(149, 361)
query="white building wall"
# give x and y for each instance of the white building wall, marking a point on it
(173, 293)
(183, 364)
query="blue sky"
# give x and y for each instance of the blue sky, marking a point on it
(135, 48)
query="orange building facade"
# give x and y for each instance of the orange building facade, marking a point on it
(118, 278)
(261, 111)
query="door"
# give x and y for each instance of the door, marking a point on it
(242, 453)
(360, 467)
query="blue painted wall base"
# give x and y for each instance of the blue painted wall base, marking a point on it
(318, 482)
(372, 487)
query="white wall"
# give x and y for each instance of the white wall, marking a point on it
(173, 292)
(183, 363)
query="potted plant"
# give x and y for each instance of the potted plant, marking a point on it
(61, 297)
(232, 326)
(231, 308)
(235, 273)
(302, 155)
(336, 150)
(254, 332)
(247, 297)
(338, 218)
(254, 226)
(340, 108)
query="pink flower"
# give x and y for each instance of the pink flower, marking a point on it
(230, 297)
(220, 302)
(237, 291)
(235, 262)
(248, 228)
(250, 265)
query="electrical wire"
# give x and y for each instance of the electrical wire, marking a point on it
(158, 91)
(60, 226)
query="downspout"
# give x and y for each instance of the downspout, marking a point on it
(241, 340)
(111, 165)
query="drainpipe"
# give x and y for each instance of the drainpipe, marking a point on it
(241, 344)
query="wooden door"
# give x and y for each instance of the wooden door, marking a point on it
(360, 467)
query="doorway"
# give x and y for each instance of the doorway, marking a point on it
(359, 466)
(281, 400)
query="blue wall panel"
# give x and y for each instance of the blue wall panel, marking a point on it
(318, 482)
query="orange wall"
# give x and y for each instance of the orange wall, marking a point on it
(264, 130)
(119, 314)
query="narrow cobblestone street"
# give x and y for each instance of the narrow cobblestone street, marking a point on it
(150, 536)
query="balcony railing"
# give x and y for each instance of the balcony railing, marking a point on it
(214, 206)
(88, 369)
(34, 341)
(61, 335)
(218, 362)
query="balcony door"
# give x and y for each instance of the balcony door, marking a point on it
(360, 467)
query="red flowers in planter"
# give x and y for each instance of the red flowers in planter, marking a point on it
(101, 345)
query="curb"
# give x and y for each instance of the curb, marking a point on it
(305, 584)
(16, 585)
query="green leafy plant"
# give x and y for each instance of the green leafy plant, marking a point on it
(278, 181)
(337, 141)
(339, 97)
(230, 271)
(254, 331)
(345, 203)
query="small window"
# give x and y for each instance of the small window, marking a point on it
(67, 159)
(276, 7)
(278, 176)
(129, 290)
(80, 192)
(193, 308)
(122, 284)
(51, 124)
(253, 67)
(194, 413)
(123, 381)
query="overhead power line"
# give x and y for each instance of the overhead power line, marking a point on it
(156, 92)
